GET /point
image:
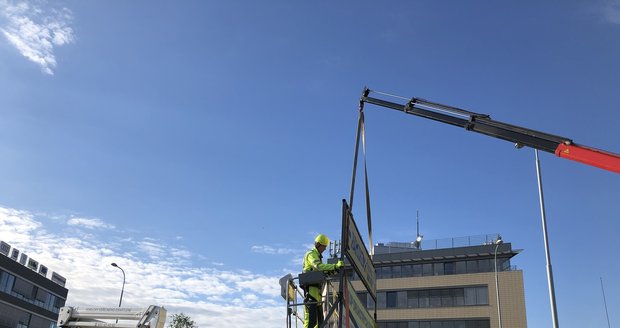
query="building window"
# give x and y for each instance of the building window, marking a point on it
(427, 269)
(30, 293)
(430, 298)
(402, 299)
(472, 266)
(447, 297)
(396, 271)
(412, 299)
(417, 270)
(438, 269)
(449, 268)
(466, 323)
(381, 300)
(424, 299)
(461, 267)
(391, 300)
(407, 271)
(485, 266)
(435, 295)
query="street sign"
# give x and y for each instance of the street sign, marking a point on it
(357, 310)
(356, 252)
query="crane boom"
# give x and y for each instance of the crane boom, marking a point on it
(482, 123)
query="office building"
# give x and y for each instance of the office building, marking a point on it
(28, 298)
(447, 283)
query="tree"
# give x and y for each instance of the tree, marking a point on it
(182, 320)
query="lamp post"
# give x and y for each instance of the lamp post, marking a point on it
(554, 310)
(122, 289)
(498, 242)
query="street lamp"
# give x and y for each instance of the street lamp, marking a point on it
(122, 289)
(498, 241)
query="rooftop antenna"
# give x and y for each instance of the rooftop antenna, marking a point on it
(418, 239)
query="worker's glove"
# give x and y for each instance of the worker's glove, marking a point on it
(339, 265)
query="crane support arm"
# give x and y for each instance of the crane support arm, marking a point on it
(520, 136)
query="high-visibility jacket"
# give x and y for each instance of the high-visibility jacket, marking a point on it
(313, 261)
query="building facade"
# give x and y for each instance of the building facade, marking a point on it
(446, 283)
(28, 298)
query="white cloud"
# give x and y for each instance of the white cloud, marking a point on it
(35, 32)
(89, 223)
(611, 11)
(156, 273)
(265, 249)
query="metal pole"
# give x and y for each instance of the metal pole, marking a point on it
(554, 313)
(605, 300)
(499, 309)
(120, 301)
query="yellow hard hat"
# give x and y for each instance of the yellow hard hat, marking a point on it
(321, 239)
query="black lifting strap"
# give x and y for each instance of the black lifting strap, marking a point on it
(361, 132)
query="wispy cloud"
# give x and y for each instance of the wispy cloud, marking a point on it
(89, 223)
(157, 273)
(35, 30)
(265, 249)
(611, 11)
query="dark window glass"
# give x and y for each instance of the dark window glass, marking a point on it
(412, 299)
(380, 300)
(391, 299)
(417, 270)
(396, 271)
(470, 296)
(362, 298)
(423, 297)
(449, 268)
(446, 297)
(370, 303)
(413, 324)
(407, 271)
(402, 299)
(435, 324)
(472, 266)
(391, 325)
(38, 322)
(484, 266)
(461, 267)
(425, 324)
(505, 265)
(460, 324)
(438, 269)
(402, 324)
(427, 269)
(482, 295)
(386, 272)
(459, 297)
(435, 298)
(6, 282)
(23, 288)
(447, 324)
(42, 295)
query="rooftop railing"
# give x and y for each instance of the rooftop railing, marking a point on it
(454, 242)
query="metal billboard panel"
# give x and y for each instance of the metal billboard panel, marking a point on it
(357, 310)
(356, 252)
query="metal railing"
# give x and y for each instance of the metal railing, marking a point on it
(477, 240)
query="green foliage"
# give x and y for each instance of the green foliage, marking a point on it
(182, 320)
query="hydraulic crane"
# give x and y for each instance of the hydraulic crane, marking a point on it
(482, 123)
(91, 317)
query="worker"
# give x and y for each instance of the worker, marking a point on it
(313, 261)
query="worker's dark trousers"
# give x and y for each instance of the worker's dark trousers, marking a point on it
(314, 313)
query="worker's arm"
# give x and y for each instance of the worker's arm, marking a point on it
(315, 262)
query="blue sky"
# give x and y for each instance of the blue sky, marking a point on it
(201, 145)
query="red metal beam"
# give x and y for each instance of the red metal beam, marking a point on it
(590, 156)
